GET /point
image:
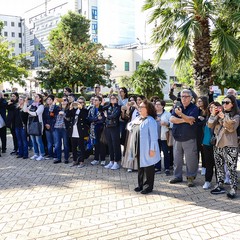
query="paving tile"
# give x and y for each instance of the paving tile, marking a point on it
(39, 200)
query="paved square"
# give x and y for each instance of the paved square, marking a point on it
(41, 200)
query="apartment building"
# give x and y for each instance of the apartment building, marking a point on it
(13, 32)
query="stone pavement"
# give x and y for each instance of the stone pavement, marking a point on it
(43, 201)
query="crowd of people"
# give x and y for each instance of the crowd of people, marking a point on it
(132, 130)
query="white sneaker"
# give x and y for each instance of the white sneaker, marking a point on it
(115, 166)
(109, 165)
(206, 185)
(40, 158)
(34, 157)
(94, 162)
(129, 170)
(102, 163)
(203, 172)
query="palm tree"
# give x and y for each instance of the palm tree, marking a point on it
(201, 30)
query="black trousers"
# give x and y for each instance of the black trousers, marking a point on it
(15, 142)
(78, 144)
(113, 140)
(147, 173)
(99, 147)
(210, 163)
(3, 136)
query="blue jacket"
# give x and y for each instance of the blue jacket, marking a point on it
(148, 141)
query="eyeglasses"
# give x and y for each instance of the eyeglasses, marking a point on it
(112, 98)
(65, 100)
(226, 102)
(185, 96)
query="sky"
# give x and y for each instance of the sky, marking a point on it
(17, 7)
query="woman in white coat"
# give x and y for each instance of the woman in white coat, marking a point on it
(144, 146)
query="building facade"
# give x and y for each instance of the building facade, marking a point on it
(13, 32)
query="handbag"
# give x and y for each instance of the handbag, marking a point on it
(103, 138)
(169, 137)
(2, 122)
(213, 139)
(34, 127)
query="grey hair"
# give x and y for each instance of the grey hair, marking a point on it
(186, 91)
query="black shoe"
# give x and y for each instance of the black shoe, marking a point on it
(138, 189)
(175, 180)
(146, 191)
(218, 190)
(57, 161)
(167, 172)
(66, 161)
(13, 152)
(19, 156)
(3, 151)
(25, 157)
(232, 193)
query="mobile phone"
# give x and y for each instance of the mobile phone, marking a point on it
(178, 104)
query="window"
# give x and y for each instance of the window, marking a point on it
(95, 39)
(20, 45)
(13, 34)
(31, 42)
(19, 35)
(13, 45)
(12, 24)
(94, 13)
(94, 27)
(137, 64)
(126, 66)
(19, 24)
(5, 23)
(5, 34)
(13, 54)
(107, 67)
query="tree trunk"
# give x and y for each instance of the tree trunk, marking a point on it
(202, 59)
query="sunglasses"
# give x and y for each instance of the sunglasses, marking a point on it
(65, 100)
(226, 102)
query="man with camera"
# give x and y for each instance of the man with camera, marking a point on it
(184, 132)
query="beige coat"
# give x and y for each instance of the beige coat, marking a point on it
(227, 136)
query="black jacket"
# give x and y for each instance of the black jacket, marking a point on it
(82, 122)
(113, 114)
(10, 121)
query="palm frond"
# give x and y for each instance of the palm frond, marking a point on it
(184, 54)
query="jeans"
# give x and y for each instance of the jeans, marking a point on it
(50, 143)
(22, 141)
(163, 147)
(61, 134)
(38, 145)
(113, 140)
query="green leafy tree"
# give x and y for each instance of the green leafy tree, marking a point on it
(125, 81)
(184, 74)
(72, 59)
(148, 80)
(10, 68)
(185, 25)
